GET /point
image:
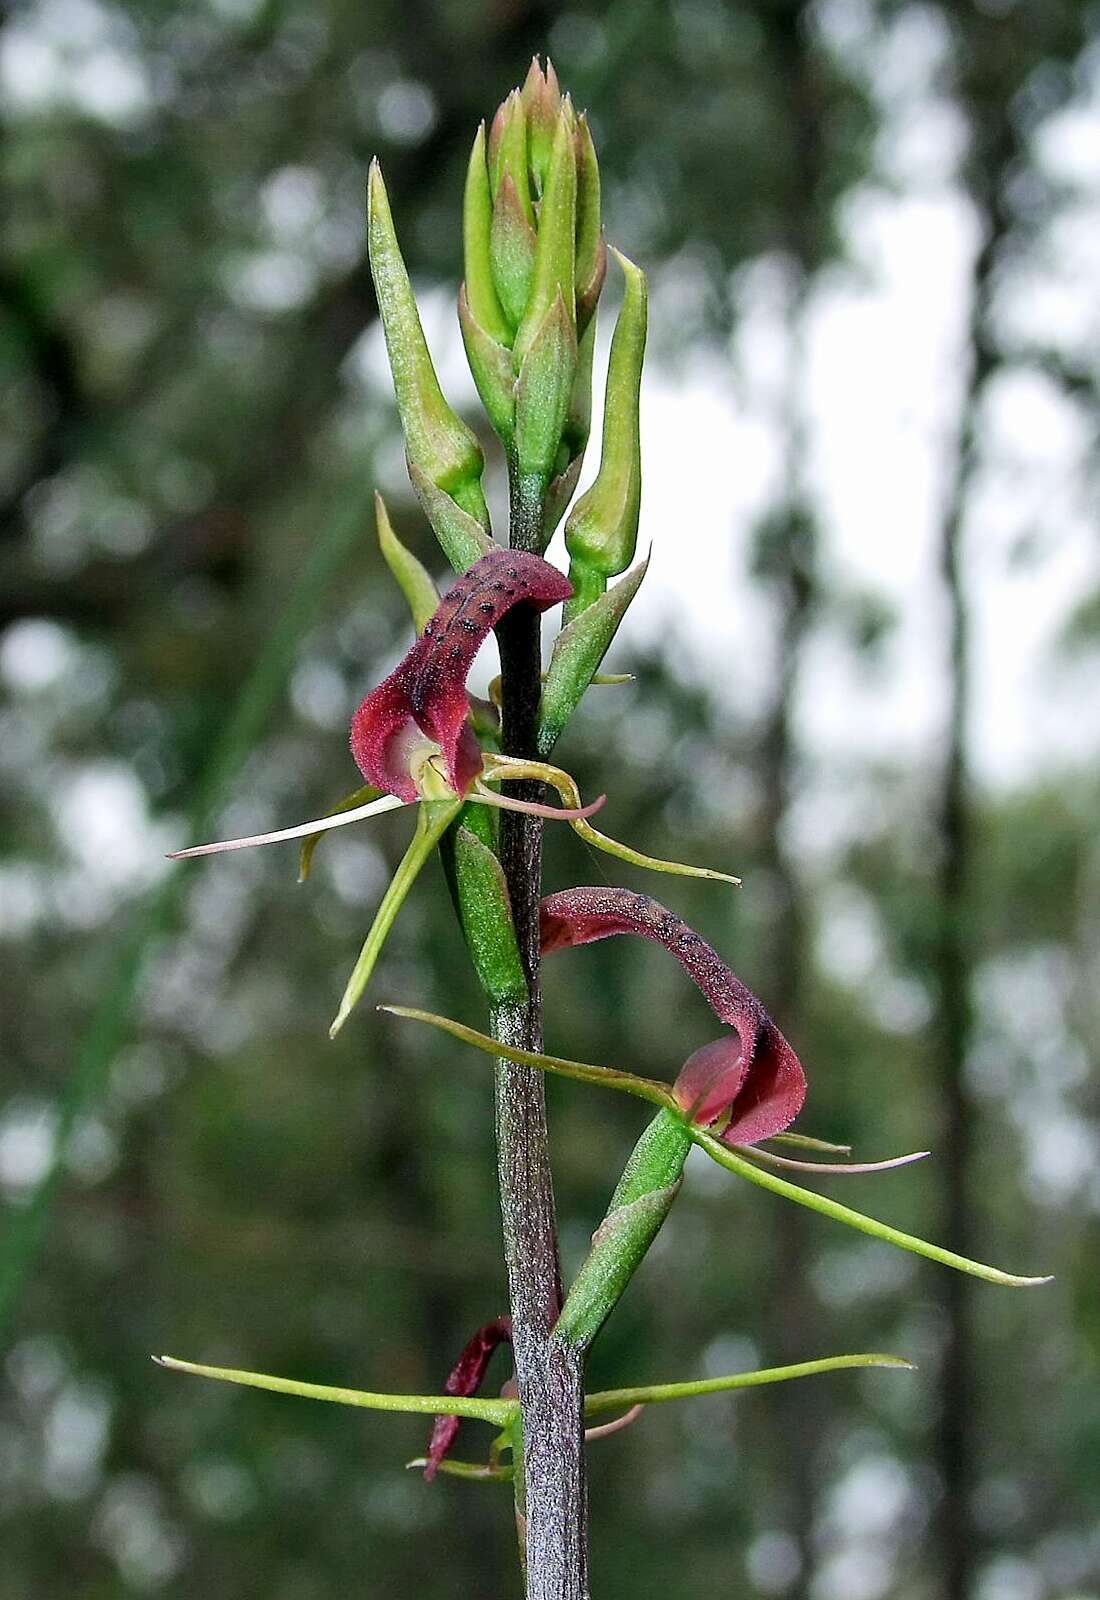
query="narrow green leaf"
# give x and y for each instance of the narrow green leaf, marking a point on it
(728, 1158)
(413, 578)
(578, 651)
(650, 1394)
(606, 1077)
(434, 817)
(482, 1409)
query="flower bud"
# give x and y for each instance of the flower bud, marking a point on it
(438, 443)
(602, 529)
(535, 262)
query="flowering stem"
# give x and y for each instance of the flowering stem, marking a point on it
(550, 1493)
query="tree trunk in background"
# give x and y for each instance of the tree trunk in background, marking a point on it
(787, 566)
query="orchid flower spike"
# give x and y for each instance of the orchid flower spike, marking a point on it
(749, 1081)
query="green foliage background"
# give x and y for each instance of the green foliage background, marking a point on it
(193, 602)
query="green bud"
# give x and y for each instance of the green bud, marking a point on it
(574, 436)
(591, 249)
(601, 532)
(543, 391)
(438, 443)
(542, 103)
(491, 365)
(555, 253)
(413, 579)
(477, 222)
(513, 248)
(508, 153)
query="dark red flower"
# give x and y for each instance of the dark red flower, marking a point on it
(465, 1378)
(751, 1076)
(423, 703)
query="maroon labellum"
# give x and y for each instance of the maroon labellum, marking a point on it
(424, 699)
(465, 1378)
(752, 1076)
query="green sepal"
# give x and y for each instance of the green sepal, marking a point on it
(480, 1408)
(650, 1089)
(555, 250)
(480, 894)
(574, 436)
(602, 529)
(735, 1161)
(618, 1245)
(358, 797)
(437, 441)
(578, 651)
(491, 365)
(461, 537)
(513, 245)
(413, 578)
(543, 391)
(433, 819)
(591, 257)
(477, 222)
(651, 1394)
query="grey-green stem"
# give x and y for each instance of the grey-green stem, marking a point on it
(551, 1495)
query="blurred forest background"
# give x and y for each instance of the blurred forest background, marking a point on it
(865, 658)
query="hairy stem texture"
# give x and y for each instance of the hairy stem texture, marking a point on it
(551, 1499)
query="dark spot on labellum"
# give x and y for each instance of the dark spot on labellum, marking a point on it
(498, 586)
(469, 625)
(456, 652)
(487, 608)
(511, 572)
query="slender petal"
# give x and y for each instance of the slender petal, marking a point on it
(829, 1168)
(301, 830)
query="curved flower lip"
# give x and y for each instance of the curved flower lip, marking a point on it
(752, 1076)
(465, 1379)
(425, 696)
